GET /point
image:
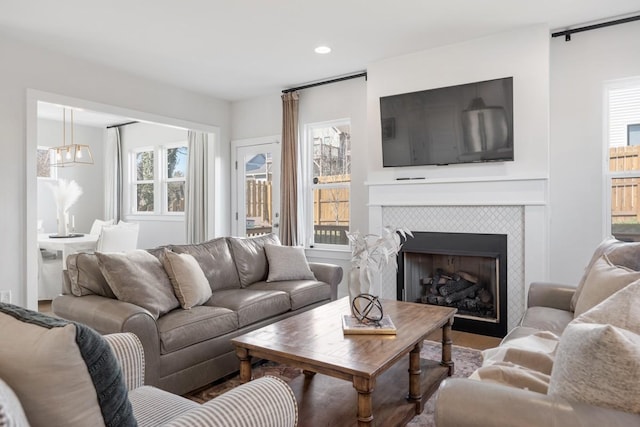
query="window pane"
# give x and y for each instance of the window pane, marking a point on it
(144, 165)
(177, 162)
(175, 196)
(44, 163)
(331, 215)
(144, 197)
(332, 154)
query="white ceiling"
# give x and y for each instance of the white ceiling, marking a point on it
(238, 49)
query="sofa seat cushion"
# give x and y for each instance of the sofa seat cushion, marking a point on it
(214, 257)
(182, 328)
(155, 407)
(547, 319)
(252, 305)
(301, 292)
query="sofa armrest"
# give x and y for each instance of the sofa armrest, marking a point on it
(108, 316)
(128, 350)
(265, 402)
(463, 402)
(328, 273)
(552, 295)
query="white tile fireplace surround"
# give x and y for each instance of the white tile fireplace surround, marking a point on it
(516, 207)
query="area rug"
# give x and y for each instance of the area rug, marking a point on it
(466, 361)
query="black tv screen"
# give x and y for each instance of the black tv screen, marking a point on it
(457, 124)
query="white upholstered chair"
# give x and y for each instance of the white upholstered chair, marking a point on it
(98, 224)
(118, 238)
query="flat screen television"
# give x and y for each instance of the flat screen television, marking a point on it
(466, 123)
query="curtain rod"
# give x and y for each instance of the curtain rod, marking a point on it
(567, 33)
(122, 124)
(335, 80)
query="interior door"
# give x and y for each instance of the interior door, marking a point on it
(257, 193)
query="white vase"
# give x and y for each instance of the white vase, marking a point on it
(359, 283)
(63, 222)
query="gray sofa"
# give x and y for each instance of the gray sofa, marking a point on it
(188, 348)
(528, 385)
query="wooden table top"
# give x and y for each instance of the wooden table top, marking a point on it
(314, 339)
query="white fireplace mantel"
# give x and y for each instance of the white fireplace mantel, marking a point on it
(421, 201)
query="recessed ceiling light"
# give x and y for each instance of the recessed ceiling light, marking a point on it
(323, 50)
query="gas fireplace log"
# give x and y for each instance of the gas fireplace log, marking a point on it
(453, 286)
(485, 296)
(473, 304)
(468, 277)
(433, 299)
(462, 294)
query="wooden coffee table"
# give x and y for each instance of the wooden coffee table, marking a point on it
(314, 342)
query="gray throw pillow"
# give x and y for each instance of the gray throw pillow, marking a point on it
(287, 263)
(137, 277)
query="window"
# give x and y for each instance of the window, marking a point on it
(45, 170)
(623, 171)
(159, 180)
(329, 147)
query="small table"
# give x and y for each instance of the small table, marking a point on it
(67, 245)
(314, 342)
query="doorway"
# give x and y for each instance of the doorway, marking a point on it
(256, 192)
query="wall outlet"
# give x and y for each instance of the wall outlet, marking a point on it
(5, 296)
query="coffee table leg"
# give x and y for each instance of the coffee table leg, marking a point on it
(245, 364)
(415, 390)
(446, 346)
(364, 387)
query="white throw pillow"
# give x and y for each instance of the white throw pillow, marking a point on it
(621, 309)
(604, 279)
(189, 282)
(598, 365)
(287, 263)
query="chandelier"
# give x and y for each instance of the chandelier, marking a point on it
(70, 154)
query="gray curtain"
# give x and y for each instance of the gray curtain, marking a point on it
(289, 171)
(113, 176)
(196, 210)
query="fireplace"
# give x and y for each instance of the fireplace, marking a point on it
(463, 270)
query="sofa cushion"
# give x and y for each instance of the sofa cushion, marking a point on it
(287, 263)
(85, 276)
(605, 246)
(155, 407)
(182, 328)
(64, 373)
(251, 305)
(599, 365)
(603, 280)
(250, 257)
(301, 292)
(546, 319)
(190, 285)
(513, 375)
(214, 257)
(139, 278)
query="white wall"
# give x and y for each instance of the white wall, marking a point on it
(156, 230)
(579, 70)
(256, 117)
(89, 177)
(27, 67)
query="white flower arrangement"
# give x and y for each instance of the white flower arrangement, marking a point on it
(65, 193)
(371, 251)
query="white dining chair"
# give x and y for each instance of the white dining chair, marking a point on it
(49, 274)
(98, 224)
(118, 238)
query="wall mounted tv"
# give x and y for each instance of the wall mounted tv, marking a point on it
(457, 124)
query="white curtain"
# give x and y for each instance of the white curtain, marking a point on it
(113, 175)
(196, 191)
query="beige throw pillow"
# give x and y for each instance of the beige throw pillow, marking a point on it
(139, 278)
(287, 263)
(189, 282)
(599, 365)
(604, 279)
(621, 309)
